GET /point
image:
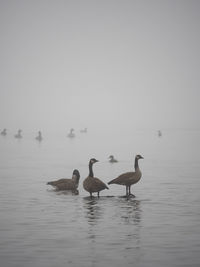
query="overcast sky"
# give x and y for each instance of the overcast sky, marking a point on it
(99, 63)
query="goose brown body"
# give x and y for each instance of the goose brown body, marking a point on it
(67, 184)
(92, 184)
(129, 178)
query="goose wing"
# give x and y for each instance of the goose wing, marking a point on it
(68, 184)
(98, 185)
(60, 181)
(123, 178)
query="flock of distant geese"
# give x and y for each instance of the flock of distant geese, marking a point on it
(92, 184)
(39, 137)
(18, 135)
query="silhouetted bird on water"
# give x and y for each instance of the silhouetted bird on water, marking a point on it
(159, 133)
(71, 134)
(92, 184)
(67, 184)
(4, 132)
(18, 135)
(129, 178)
(112, 159)
(39, 137)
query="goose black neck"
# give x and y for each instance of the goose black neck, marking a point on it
(91, 174)
(136, 164)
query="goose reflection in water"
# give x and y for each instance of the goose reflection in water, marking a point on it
(130, 212)
(94, 216)
(113, 231)
(93, 211)
(131, 217)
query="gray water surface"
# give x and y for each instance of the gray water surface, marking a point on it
(159, 227)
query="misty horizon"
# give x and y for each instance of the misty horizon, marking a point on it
(107, 64)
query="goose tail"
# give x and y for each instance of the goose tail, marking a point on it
(112, 181)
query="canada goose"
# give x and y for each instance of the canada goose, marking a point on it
(112, 159)
(18, 135)
(67, 184)
(129, 178)
(159, 133)
(4, 132)
(92, 184)
(71, 134)
(39, 137)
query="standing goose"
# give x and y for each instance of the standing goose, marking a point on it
(67, 184)
(129, 178)
(92, 184)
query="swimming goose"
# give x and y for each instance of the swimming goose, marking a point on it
(39, 137)
(71, 134)
(18, 135)
(112, 159)
(67, 184)
(159, 133)
(129, 178)
(4, 132)
(92, 184)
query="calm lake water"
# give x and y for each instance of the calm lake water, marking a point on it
(44, 228)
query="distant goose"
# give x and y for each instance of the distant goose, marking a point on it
(112, 159)
(71, 134)
(4, 132)
(83, 130)
(129, 178)
(159, 133)
(18, 135)
(92, 184)
(67, 184)
(39, 137)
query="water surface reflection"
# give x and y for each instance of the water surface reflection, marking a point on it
(93, 210)
(113, 230)
(130, 211)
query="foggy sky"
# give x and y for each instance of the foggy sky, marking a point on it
(99, 63)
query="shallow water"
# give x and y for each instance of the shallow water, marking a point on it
(159, 227)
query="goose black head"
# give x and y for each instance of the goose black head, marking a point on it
(139, 157)
(111, 157)
(76, 173)
(93, 160)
